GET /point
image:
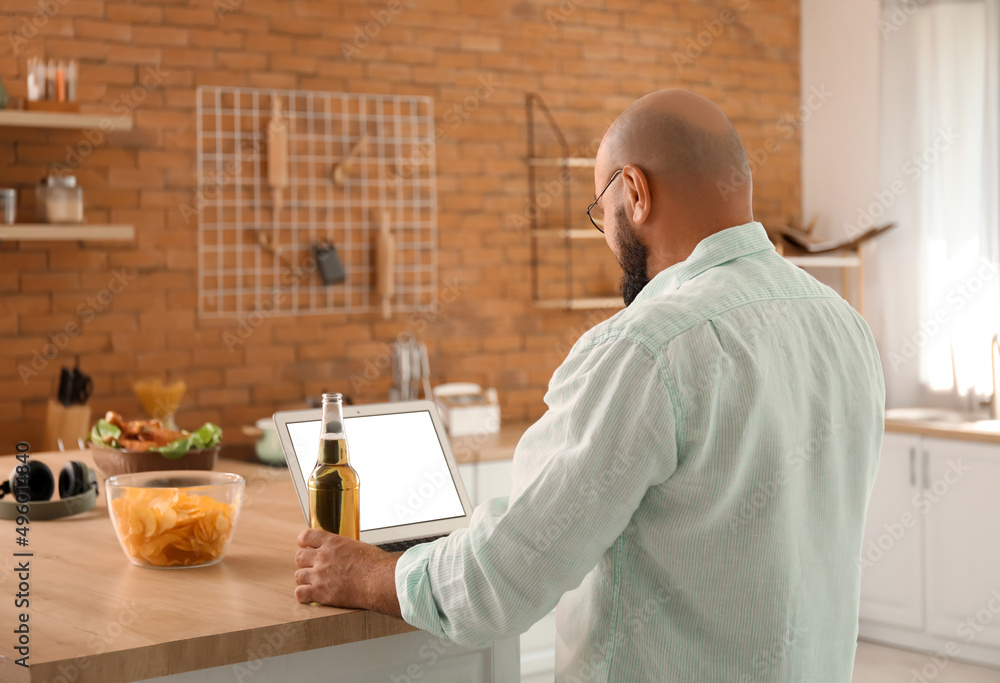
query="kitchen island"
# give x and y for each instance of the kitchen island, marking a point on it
(95, 617)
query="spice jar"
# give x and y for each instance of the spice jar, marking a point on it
(59, 200)
(8, 206)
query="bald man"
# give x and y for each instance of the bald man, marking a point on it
(694, 497)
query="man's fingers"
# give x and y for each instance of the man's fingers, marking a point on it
(303, 593)
(313, 538)
(302, 577)
(305, 557)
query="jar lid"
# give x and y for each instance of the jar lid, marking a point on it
(61, 181)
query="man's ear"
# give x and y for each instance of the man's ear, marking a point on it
(637, 197)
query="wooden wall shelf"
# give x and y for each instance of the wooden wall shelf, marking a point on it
(581, 304)
(67, 233)
(55, 119)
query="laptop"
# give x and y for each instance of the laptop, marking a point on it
(411, 491)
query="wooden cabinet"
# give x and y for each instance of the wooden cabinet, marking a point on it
(931, 552)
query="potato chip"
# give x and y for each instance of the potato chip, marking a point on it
(170, 528)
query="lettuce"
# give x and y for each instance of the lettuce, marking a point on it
(103, 427)
(206, 436)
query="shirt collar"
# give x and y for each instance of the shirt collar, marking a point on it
(716, 249)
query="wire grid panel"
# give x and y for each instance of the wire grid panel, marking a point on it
(253, 258)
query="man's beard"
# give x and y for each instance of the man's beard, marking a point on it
(634, 255)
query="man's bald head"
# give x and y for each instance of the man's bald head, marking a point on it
(678, 138)
(684, 176)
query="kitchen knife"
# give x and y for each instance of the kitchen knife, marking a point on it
(82, 387)
(65, 395)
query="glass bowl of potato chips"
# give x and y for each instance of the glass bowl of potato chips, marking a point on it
(174, 519)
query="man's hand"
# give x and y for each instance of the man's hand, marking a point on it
(339, 571)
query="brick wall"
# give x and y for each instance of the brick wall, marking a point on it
(588, 58)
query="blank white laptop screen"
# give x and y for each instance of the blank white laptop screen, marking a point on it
(404, 474)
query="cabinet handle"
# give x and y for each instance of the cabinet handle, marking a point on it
(913, 468)
(927, 470)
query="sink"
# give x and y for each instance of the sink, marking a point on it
(938, 415)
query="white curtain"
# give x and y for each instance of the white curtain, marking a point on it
(937, 288)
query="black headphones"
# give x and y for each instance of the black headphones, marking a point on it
(34, 488)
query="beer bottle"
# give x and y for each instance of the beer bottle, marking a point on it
(334, 484)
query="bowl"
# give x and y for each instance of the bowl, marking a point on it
(174, 519)
(114, 461)
(268, 446)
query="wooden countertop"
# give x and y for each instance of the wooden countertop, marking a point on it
(103, 620)
(487, 447)
(941, 430)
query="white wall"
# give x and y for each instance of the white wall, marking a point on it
(840, 52)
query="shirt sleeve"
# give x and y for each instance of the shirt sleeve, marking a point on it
(580, 472)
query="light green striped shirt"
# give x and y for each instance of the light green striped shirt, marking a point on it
(694, 497)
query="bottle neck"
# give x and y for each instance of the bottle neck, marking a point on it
(333, 441)
(333, 452)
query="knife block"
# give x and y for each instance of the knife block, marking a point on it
(68, 423)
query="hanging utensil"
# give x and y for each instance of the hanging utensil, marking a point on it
(385, 265)
(342, 171)
(277, 158)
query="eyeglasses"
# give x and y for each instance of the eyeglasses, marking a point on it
(594, 212)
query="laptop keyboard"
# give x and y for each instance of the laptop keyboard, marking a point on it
(405, 545)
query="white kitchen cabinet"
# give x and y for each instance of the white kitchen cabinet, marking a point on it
(892, 588)
(538, 651)
(415, 656)
(492, 479)
(468, 473)
(931, 553)
(962, 498)
(485, 480)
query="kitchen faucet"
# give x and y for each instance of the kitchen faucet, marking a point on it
(994, 402)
